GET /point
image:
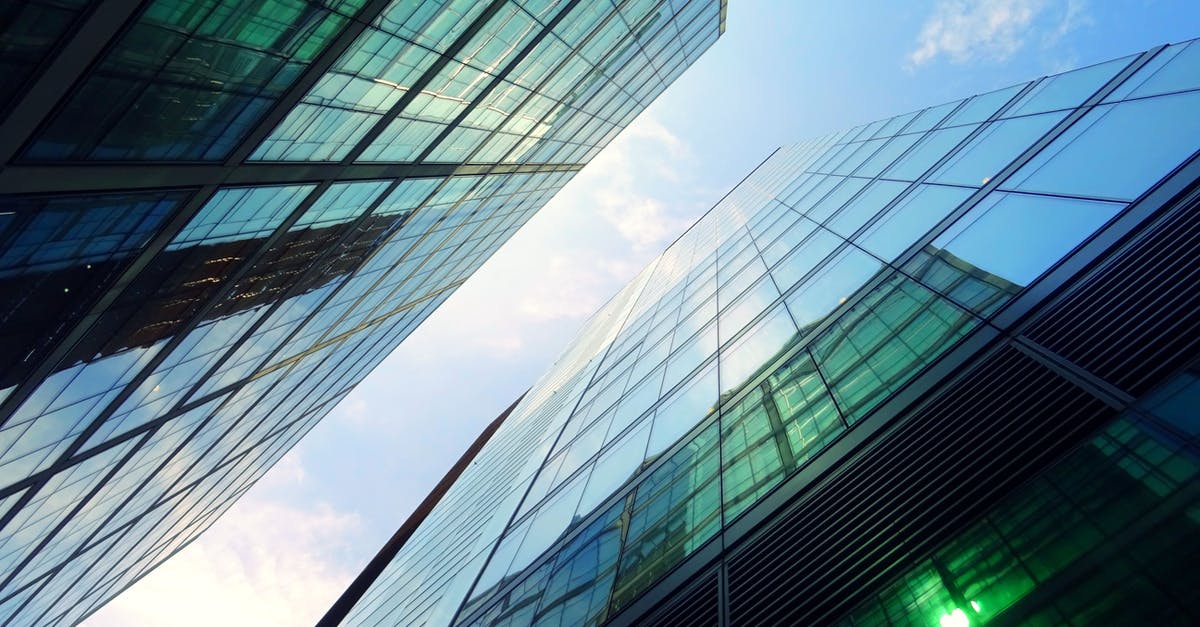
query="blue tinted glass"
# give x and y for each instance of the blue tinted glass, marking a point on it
(1067, 90)
(1116, 151)
(831, 286)
(1175, 69)
(865, 206)
(910, 219)
(932, 148)
(983, 106)
(993, 149)
(1017, 237)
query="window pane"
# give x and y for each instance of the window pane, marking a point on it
(1116, 151)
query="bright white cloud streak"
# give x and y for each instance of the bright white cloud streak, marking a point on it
(993, 30)
(266, 562)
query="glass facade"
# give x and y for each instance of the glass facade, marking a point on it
(288, 188)
(787, 323)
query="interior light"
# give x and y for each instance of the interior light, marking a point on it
(841, 300)
(957, 618)
(986, 179)
(975, 605)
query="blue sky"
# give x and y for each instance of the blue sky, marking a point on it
(785, 70)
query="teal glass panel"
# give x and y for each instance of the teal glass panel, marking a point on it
(832, 285)
(578, 587)
(754, 351)
(240, 213)
(1013, 238)
(28, 32)
(683, 410)
(434, 24)
(615, 467)
(782, 423)
(341, 203)
(189, 79)
(1122, 495)
(884, 341)
(747, 307)
(675, 510)
(368, 80)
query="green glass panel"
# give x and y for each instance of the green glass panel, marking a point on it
(885, 340)
(676, 509)
(189, 79)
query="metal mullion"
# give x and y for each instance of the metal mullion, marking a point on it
(87, 177)
(183, 214)
(445, 58)
(199, 316)
(354, 27)
(55, 82)
(49, 535)
(1101, 389)
(496, 81)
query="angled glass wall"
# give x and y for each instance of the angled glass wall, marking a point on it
(840, 271)
(214, 226)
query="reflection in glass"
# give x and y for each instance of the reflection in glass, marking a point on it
(747, 356)
(1116, 151)
(1017, 237)
(675, 510)
(884, 341)
(893, 232)
(770, 433)
(1122, 495)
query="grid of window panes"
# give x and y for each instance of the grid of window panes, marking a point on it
(161, 362)
(1115, 521)
(815, 290)
(591, 67)
(138, 455)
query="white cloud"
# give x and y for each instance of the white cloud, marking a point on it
(265, 562)
(641, 219)
(993, 30)
(570, 288)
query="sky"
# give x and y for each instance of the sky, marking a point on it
(785, 71)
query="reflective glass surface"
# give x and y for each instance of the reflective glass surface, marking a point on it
(168, 343)
(190, 78)
(811, 296)
(1123, 497)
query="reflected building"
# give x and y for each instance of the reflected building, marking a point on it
(939, 369)
(217, 216)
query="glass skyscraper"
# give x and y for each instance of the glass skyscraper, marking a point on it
(939, 369)
(217, 216)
